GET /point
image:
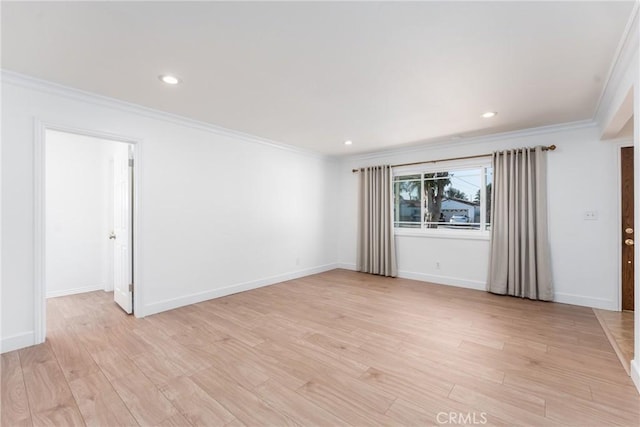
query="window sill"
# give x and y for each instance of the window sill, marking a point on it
(444, 234)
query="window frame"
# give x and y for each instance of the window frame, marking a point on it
(482, 163)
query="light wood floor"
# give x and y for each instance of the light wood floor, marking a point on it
(618, 327)
(338, 348)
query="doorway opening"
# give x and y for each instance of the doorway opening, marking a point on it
(618, 326)
(86, 209)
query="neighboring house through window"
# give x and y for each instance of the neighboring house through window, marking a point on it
(437, 198)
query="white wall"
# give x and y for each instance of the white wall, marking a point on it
(582, 176)
(220, 212)
(223, 212)
(78, 202)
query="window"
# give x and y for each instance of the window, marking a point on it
(456, 198)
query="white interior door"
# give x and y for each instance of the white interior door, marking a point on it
(122, 228)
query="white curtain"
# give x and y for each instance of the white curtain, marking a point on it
(376, 243)
(519, 261)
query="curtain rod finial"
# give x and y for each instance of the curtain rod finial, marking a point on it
(551, 147)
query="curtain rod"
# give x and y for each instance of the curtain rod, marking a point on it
(549, 148)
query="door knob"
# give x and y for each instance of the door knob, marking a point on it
(112, 235)
(628, 230)
(628, 242)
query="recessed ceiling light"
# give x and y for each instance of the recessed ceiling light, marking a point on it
(348, 142)
(169, 79)
(489, 114)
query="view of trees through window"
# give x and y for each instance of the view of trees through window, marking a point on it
(454, 199)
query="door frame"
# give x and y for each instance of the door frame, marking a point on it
(619, 145)
(40, 128)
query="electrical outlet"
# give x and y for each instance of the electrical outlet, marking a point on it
(590, 215)
(437, 265)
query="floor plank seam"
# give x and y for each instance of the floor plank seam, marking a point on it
(55, 356)
(75, 402)
(24, 384)
(110, 383)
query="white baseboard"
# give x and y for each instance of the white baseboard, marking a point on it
(346, 266)
(431, 278)
(170, 304)
(444, 280)
(14, 342)
(65, 292)
(635, 373)
(560, 297)
(573, 299)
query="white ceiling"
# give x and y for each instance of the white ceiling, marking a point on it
(316, 74)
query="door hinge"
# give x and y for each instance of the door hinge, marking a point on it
(130, 287)
(130, 163)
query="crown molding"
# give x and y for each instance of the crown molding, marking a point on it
(44, 86)
(621, 71)
(541, 130)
